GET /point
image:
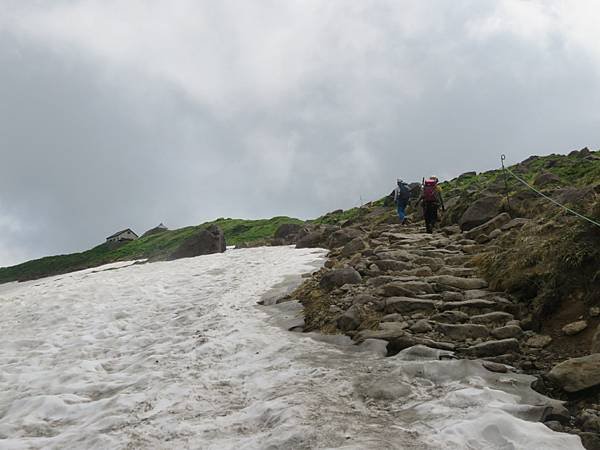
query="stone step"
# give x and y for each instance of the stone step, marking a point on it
(494, 348)
(461, 332)
(476, 306)
(405, 305)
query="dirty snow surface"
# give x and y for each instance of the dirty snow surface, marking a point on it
(177, 355)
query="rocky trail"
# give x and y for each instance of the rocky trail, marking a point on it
(400, 285)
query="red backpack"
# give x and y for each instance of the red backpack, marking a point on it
(430, 190)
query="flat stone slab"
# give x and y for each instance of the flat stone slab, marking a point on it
(469, 306)
(459, 282)
(494, 348)
(461, 332)
(405, 305)
(495, 317)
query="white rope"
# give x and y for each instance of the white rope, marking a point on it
(551, 199)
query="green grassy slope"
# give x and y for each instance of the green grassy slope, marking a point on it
(156, 246)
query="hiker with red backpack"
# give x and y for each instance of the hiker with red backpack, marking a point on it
(432, 200)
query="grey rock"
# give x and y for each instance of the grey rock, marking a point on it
(480, 211)
(405, 305)
(314, 239)
(538, 341)
(508, 331)
(470, 306)
(449, 296)
(459, 282)
(451, 317)
(338, 277)
(574, 328)
(204, 242)
(576, 374)
(489, 226)
(392, 265)
(494, 367)
(494, 348)
(461, 332)
(494, 234)
(394, 289)
(492, 318)
(288, 231)
(421, 326)
(350, 320)
(342, 237)
(514, 223)
(590, 441)
(356, 245)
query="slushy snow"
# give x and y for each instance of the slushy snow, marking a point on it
(176, 355)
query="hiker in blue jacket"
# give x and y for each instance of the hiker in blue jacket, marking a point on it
(401, 198)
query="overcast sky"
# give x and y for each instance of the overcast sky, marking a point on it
(127, 113)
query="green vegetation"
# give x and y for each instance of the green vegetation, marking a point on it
(154, 247)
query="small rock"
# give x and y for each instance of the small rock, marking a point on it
(421, 326)
(451, 317)
(508, 331)
(339, 277)
(595, 311)
(494, 367)
(350, 320)
(574, 327)
(538, 341)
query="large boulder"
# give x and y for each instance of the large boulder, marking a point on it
(576, 374)
(204, 242)
(342, 237)
(288, 231)
(489, 226)
(480, 212)
(355, 246)
(339, 277)
(314, 239)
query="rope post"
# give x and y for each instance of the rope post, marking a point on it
(502, 158)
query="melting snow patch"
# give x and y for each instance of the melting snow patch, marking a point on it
(177, 355)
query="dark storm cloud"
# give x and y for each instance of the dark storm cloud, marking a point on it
(132, 113)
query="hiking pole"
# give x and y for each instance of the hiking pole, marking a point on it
(502, 158)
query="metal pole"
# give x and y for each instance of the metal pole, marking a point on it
(502, 158)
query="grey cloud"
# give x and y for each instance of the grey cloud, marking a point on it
(329, 106)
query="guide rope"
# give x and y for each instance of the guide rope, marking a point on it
(518, 178)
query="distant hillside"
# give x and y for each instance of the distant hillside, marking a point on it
(154, 247)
